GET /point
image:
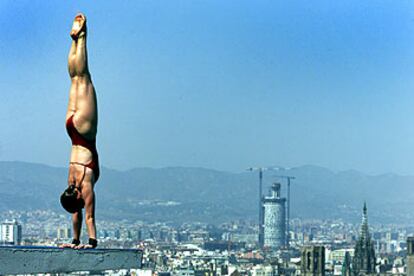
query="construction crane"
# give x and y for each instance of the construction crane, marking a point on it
(288, 178)
(261, 170)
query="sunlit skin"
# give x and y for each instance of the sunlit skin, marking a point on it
(83, 106)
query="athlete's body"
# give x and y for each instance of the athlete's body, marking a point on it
(81, 124)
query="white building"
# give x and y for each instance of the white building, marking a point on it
(264, 270)
(10, 233)
(338, 256)
(64, 233)
(274, 219)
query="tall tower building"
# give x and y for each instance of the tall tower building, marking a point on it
(261, 225)
(363, 262)
(313, 261)
(346, 265)
(274, 218)
(11, 233)
(410, 256)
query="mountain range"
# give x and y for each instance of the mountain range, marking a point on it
(180, 194)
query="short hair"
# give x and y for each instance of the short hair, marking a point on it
(69, 200)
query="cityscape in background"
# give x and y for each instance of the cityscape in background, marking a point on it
(190, 95)
(274, 246)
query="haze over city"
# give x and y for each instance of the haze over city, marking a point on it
(235, 138)
(222, 85)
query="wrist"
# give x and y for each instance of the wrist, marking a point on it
(75, 241)
(93, 242)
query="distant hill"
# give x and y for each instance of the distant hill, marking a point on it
(198, 194)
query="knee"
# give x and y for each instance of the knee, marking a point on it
(80, 78)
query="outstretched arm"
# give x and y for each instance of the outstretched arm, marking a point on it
(77, 225)
(89, 198)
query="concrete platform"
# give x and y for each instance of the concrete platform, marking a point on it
(36, 259)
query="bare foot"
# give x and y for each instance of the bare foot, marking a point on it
(78, 27)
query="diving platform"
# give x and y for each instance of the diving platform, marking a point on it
(38, 259)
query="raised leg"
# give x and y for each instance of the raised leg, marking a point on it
(78, 58)
(82, 98)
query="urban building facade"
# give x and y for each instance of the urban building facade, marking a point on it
(64, 233)
(346, 265)
(313, 261)
(10, 233)
(410, 256)
(274, 218)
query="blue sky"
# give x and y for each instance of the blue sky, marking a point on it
(216, 84)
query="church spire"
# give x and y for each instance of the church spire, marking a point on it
(364, 254)
(364, 233)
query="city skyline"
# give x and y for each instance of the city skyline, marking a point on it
(218, 85)
(237, 240)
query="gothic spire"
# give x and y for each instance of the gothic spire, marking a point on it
(364, 255)
(364, 225)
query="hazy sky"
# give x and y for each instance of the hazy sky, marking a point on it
(216, 84)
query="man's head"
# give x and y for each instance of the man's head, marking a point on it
(71, 199)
